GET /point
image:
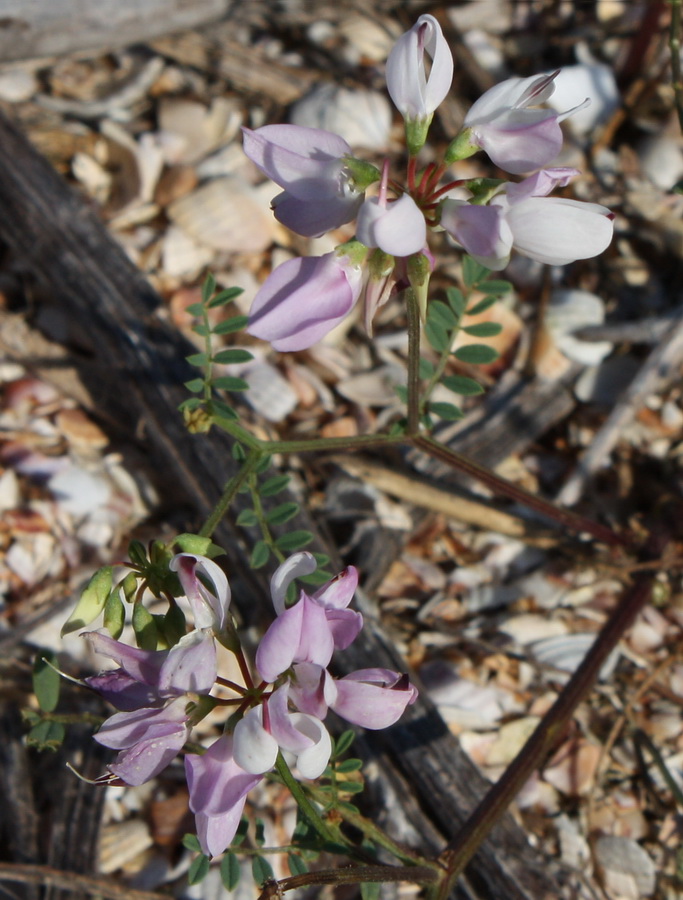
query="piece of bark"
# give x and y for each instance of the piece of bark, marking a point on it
(132, 362)
(37, 28)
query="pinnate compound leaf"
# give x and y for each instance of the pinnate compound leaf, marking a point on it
(343, 742)
(426, 368)
(460, 384)
(230, 383)
(274, 485)
(476, 354)
(191, 842)
(497, 287)
(438, 336)
(224, 297)
(370, 890)
(473, 273)
(229, 326)
(259, 555)
(208, 288)
(234, 355)
(91, 602)
(282, 513)
(296, 864)
(199, 869)
(482, 305)
(456, 301)
(350, 765)
(261, 870)
(46, 735)
(46, 681)
(484, 329)
(441, 314)
(198, 359)
(247, 518)
(294, 540)
(447, 411)
(230, 871)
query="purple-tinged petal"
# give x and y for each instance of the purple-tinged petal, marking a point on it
(306, 162)
(215, 781)
(482, 230)
(303, 300)
(142, 665)
(215, 833)
(190, 666)
(125, 729)
(278, 647)
(413, 94)
(399, 228)
(282, 725)
(345, 625)
(519, 148)
(373, 698)
(209, 607)
(296, 566)
(255, 749)
(540, 184)
(313, 219)
(312, 689)
(149, 757)
(338, 592)
(556, 231)
(123, 691)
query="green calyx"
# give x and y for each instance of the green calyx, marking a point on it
(362, 173)
(460, 147)
(416, 133)
(483, 189)
(355, 252)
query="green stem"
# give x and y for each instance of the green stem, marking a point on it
(328, 833)
(261, 517)
(413, 385)
(230, 492)
(550, 729)
(316, 445)
(564, 517)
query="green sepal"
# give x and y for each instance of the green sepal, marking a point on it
(114, 614)
(91, 602)
(198, 545)
(416, 133)
(363, 173)
(144, 627)
(46, 681)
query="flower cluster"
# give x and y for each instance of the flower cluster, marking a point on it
(325, 187)
(161, 694)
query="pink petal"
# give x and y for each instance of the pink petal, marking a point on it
(190, 666)
(338, 592)
(314, 218)
(345, 625)
(373, 698)
(303, 300)
(215, 781)
(482, 231)
(255, 749)
(209, 607)
(282, 723)
(413, 94)
(556, 231)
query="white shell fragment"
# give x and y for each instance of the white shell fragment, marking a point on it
(363, 117)
(569, 311)
(565, 652)
(626, 870)
(587, 79)
(225, 214)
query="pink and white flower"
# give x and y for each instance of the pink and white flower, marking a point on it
(304, 299)
(319, 190)
(414, 94)
(507, 124)
(552, 230)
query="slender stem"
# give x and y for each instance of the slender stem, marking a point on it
(229, 493)
(675, 50)
(351, 875)
(98, 886)
(261, 517)
(413, 310)
(642, 741)
(317, 445)
(552, 726)
(327, 833)
(564, 517)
